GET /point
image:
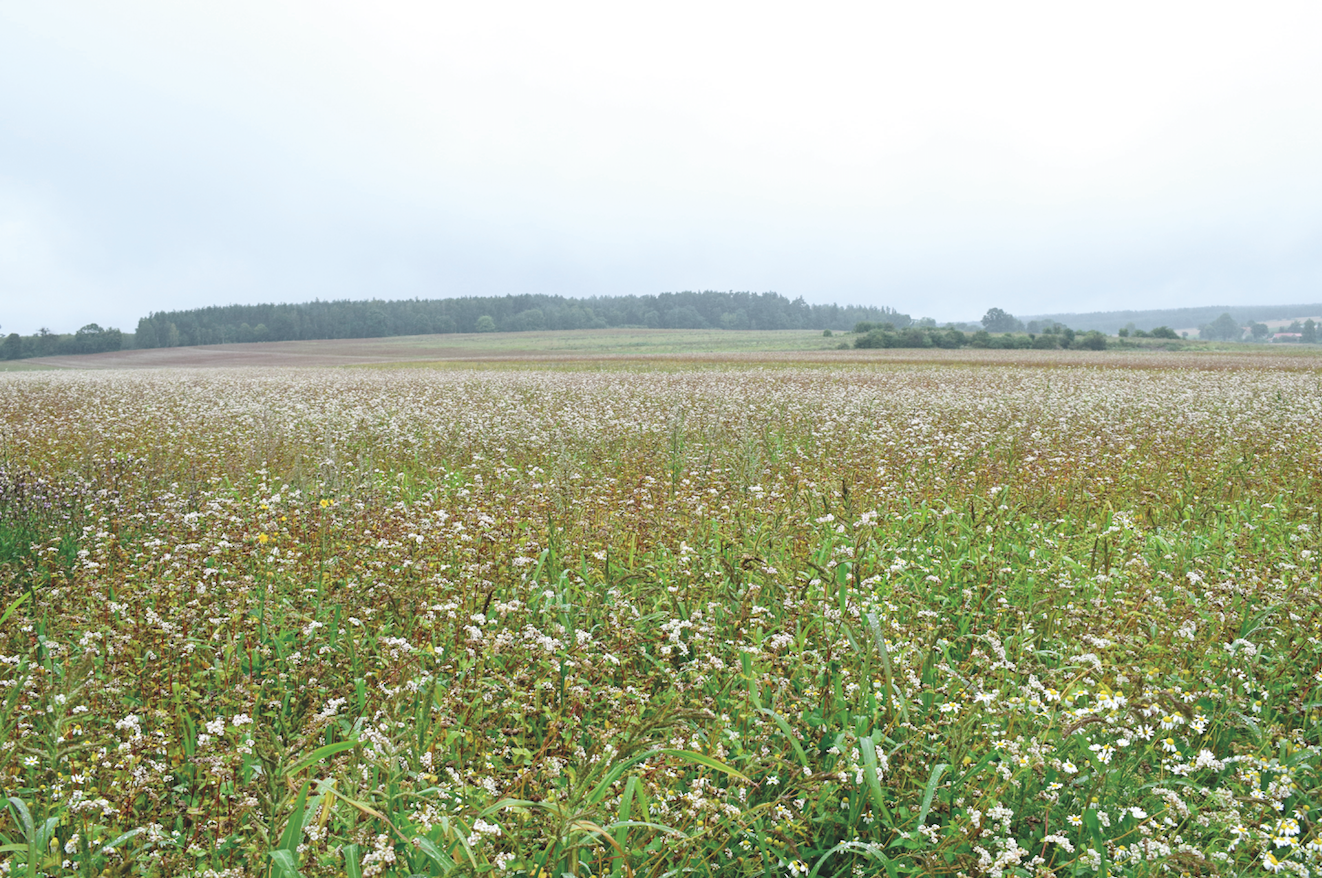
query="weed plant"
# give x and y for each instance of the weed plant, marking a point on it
(1000, 620)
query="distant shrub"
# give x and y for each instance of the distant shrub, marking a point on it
(1092, 340)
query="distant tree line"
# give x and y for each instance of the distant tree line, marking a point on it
(91, 339)
(375, 318)
(1000, 329)
(1157, 332)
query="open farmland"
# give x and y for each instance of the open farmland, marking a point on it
(611, 348)
(480, 347)
(1013, 615)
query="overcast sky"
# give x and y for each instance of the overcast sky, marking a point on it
(940, 158)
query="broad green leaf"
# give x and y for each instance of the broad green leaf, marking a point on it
(283, 864)
(24, 818)
(353, 866)
(435, 854)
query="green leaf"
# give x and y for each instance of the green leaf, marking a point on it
(703, 760)
(894, 695)
(319, 754)
(24, 817)
(599, 792)
(125, 837)
(647, 824)
(789, 734)
(283, 864)
(928, 793)
(867, 850)
(44, 834)
(14, 606)
(435, 854)
(870, 774)
(1092, 824)
(352, 864)
(626, 812)
(294, 831)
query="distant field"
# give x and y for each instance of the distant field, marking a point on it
(609, 348)
(561, 345)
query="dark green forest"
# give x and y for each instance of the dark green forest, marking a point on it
(91, 339)
(375, 318)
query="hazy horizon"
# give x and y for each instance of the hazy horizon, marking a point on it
(938, 160)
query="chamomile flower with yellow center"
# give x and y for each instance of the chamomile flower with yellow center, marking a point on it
(1104, 752)
(1075, 820)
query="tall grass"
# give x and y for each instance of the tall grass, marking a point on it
(750, 622)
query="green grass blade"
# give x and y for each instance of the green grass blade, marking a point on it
(294, 831)
(353, 866)
(861, 847)
(789, 733)
(621, 825)
(894, 694)
(435, 854)
(705, 760)
(319, 754)
(930, 792)
(872, 776)
(599, 792)
(670, 830)
(283, 864)
(14, 606)
(125, 837)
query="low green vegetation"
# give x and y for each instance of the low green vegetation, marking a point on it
(842, 620)
(1052, 338)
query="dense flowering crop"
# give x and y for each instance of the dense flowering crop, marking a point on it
(1004, 618)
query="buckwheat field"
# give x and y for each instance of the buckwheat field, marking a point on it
(1002, 618)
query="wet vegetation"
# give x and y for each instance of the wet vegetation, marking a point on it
(1001, 617)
